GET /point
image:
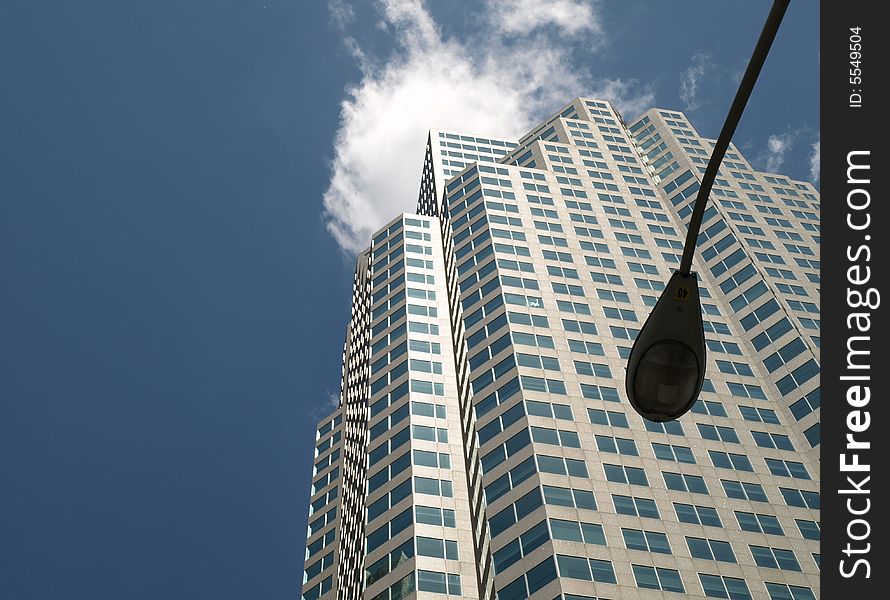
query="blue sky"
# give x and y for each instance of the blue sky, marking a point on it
(183, 187)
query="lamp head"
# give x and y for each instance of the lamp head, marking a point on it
(666, 367)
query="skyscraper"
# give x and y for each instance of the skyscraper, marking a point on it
(484, 445)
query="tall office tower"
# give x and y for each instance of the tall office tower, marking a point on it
(484, 446)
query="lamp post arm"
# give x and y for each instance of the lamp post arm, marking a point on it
(767, 35)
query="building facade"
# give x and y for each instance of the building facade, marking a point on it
(484, 446)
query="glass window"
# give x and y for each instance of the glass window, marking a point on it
(431, 581)
(574, 567)
(657, 578)
(782, 591)
(716, 586)
(541, 575)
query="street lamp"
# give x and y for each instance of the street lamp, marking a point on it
(666, 366)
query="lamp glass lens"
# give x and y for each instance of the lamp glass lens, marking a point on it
(666, 378)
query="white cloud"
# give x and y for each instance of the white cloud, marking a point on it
(794, 152)
(691, 78)
(526, 16)
(323, 407)
(630, 97)
(815, 160)
(483, 84)
(778, 146)
(341, 13)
